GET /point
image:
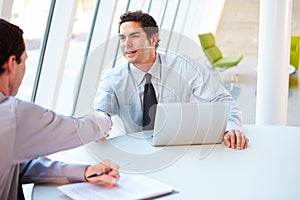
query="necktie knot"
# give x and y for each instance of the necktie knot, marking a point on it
(148, 78)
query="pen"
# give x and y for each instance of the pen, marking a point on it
(100, 173)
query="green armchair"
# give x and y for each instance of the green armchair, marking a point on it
(295, 52)
(214, 54)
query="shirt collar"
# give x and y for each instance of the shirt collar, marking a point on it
(2, 96)
(156, 67)
(154, 70)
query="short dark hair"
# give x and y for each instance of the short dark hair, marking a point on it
(11, 42)
(147, 22)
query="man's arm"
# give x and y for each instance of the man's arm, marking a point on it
(44, 170)
(206, 88)
(105, 99)
(46, 132)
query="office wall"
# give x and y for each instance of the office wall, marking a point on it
(238, 27)
(296, 18)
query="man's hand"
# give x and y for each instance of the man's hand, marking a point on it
(104, 122)
(109, 174)
(236, 139)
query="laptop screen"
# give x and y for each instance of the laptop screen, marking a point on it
(190, 123)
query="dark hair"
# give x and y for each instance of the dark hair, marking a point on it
(11, 42)
(147, 22)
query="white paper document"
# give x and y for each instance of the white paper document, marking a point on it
(128, 187)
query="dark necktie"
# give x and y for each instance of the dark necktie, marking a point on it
(150, 102)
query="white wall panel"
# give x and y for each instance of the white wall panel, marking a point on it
(56, 51)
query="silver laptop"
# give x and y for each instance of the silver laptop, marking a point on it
(189, 123)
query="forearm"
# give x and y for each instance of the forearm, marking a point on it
(44, 170)
(50, 132)
(235, 118)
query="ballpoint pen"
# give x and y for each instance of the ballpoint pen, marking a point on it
(100, 173)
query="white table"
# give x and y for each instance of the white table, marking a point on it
(268, 169)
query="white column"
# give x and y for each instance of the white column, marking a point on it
(273, 61)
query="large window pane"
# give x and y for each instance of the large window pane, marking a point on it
(31, 16)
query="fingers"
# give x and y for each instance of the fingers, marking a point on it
(236, 139)
(108, 178)
(229, 139)
(110, 164)
(103, 139)
(244, 141)
(105, 180)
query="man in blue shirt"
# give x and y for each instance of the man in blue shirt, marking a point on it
(175, 78)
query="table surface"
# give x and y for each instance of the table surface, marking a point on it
(268, 169)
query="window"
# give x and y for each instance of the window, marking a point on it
(23, 14)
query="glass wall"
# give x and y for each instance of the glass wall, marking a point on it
(31, 16)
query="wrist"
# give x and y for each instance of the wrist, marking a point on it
(86, 172)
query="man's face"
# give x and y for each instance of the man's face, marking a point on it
(135, 46)
(16, 80)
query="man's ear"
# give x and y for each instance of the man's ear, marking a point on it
(154, 38)
(10, 65)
